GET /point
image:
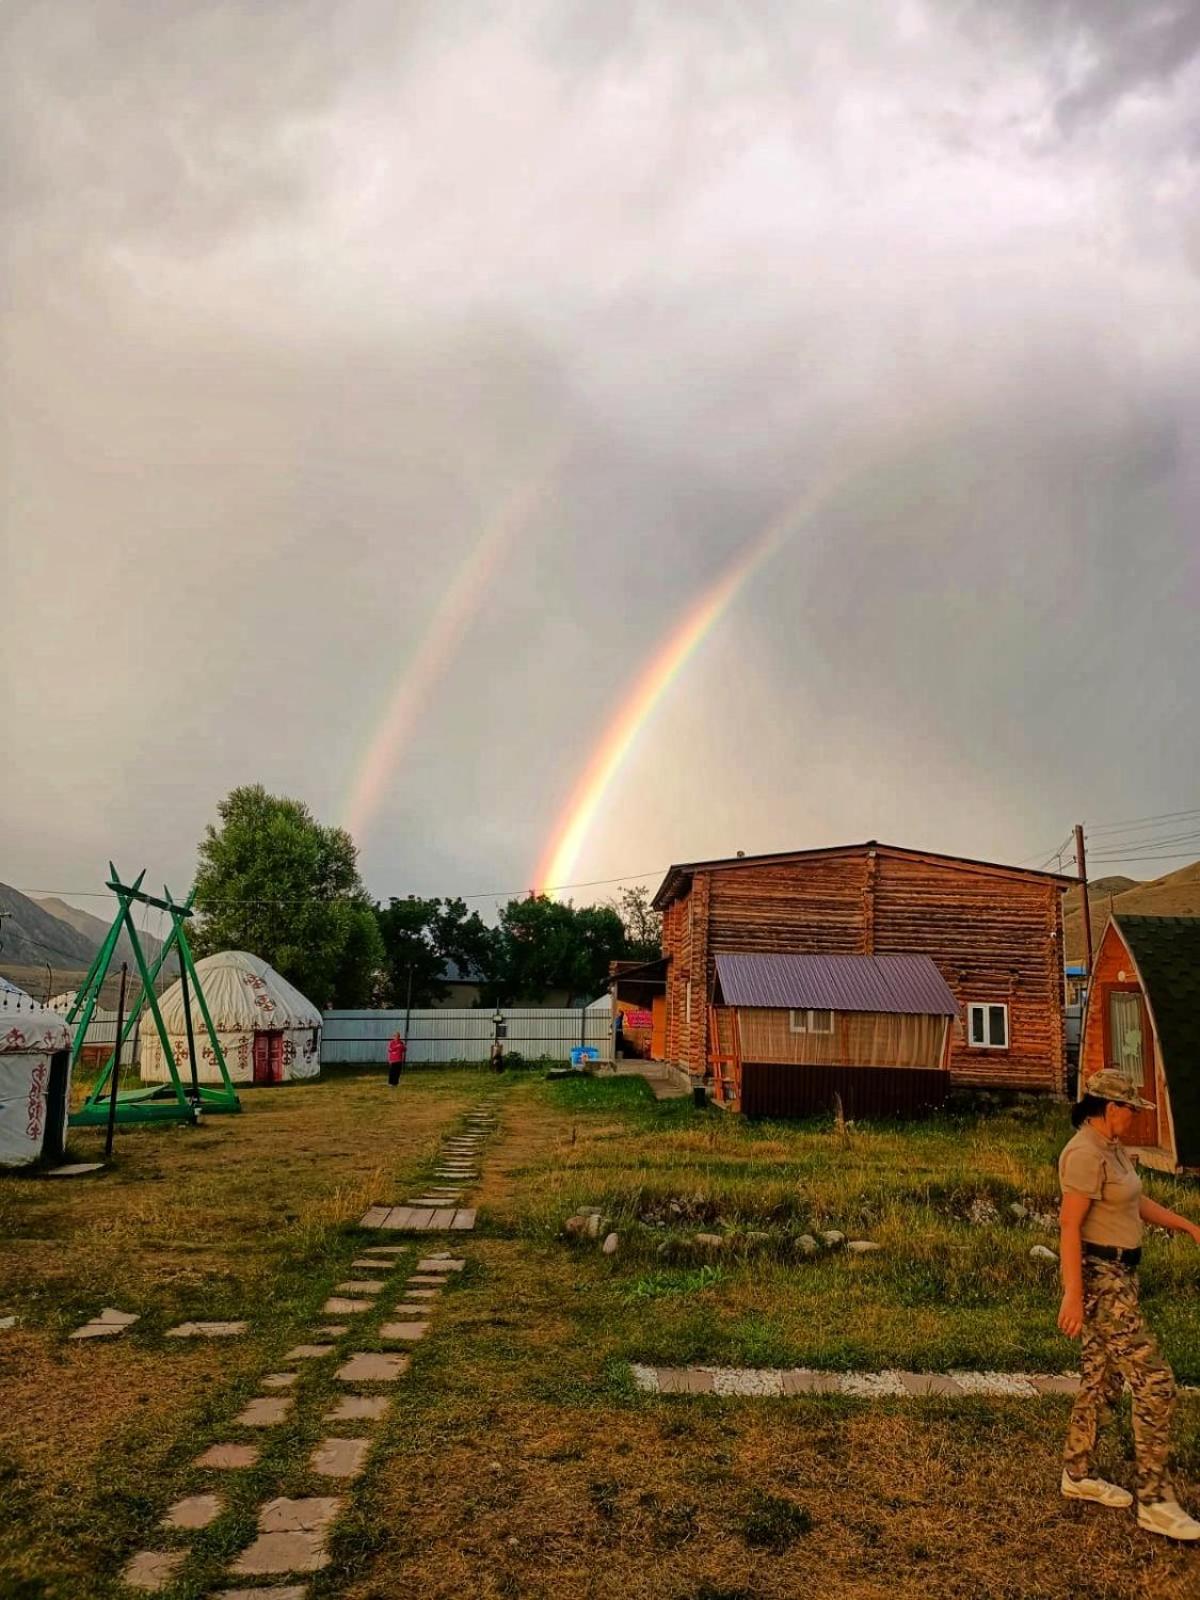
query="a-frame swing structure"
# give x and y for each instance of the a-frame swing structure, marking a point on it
(180, 1099)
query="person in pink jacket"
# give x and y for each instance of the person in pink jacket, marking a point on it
(397, 1050)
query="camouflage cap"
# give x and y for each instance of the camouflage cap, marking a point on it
(1113, 1085)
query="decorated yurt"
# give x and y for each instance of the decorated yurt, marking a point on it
(35, 1079)
(269, 1032)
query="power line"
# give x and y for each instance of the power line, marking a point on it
(294, 900)
(1098, 828)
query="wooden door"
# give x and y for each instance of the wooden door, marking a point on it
(658, 1027)
(1129, 1048)
(268, 1056)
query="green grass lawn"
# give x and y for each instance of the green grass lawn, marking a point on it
(519, 1460)
(943, 1291)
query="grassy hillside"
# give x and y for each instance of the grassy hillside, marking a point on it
(1176, 894)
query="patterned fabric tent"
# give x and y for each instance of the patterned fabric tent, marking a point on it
(35, 1079)
(269, 1031)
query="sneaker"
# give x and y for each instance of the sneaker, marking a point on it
(1104, 1494)
(1169, 1519)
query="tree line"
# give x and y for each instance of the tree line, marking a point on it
(273, 880)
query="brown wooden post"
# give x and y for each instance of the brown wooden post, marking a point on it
(1081, 863)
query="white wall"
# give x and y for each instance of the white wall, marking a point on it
(457, 1035)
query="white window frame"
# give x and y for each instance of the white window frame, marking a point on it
(987, 1042)
(801, 1020)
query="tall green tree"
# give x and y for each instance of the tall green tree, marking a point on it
(543, 944)
(420, 936)
(274, 881)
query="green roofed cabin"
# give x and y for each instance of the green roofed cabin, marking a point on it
(1143, 1018)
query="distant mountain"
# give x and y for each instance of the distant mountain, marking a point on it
(31, 935)
(1176, 894)
(94, 929)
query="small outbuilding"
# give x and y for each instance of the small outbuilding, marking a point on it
(269, 1032)
(1143, 1019)
(35, 1080)
(791, 1032)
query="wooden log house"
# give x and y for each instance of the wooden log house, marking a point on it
(994, 932)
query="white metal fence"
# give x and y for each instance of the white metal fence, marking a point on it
(453, 1035)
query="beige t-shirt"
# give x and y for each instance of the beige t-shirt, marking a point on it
(1100, 1168)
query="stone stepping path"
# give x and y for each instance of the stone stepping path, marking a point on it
(229, 1457)
(292, 1533)
(194, 1511)
(153, 1570)
(419, 1219)
(109, 1324)
(889, 1384)
(340, 1458)
(291, 1538)
(207, 1330)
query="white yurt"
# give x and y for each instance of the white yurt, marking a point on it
(35, 1079)
(269, 1032)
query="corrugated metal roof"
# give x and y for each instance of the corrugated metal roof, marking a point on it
(909, 985)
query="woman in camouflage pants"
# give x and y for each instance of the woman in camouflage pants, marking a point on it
(1103, 1213)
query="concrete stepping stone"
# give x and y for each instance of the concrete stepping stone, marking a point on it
(359, 1408)
(309, 1352)
(387, 1249)
(6, 1323)
(361, 1286)
(339, 1306)
(441, 1264)
(332, 1330)
(311, 1514)
(75, 1169)
(414, 1313)
(428, 1280)
(109, 1324)
(291, 1538)
(268, 1411)
(1059, 1383)
(421, 1294)
(194, 1511)
(153, 1570)
(368, 1367)
(290, 1591)
(273, 1553)
(431, 1202)
(464, 1221)
(374, 1217)
(340, 1458)
(207, 1330)
(369, 1264)
(229, 1456)
(279, 1380)
(408, 1331)
(925, 1383)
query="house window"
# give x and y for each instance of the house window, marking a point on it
(987, 1027)
(811, 1021)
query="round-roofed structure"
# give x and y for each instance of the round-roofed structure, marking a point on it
(269, 1032)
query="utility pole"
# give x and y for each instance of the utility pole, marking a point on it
(1081, 863)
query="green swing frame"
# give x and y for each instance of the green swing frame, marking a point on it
(176, 1100)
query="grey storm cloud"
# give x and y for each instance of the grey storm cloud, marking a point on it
(297, 296)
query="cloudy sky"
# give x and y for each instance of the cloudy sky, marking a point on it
(444, 356)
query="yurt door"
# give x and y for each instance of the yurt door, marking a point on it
(56, 1106)
(1130, 1049)
(268, 1056)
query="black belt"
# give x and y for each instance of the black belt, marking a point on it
(1114, 1252)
